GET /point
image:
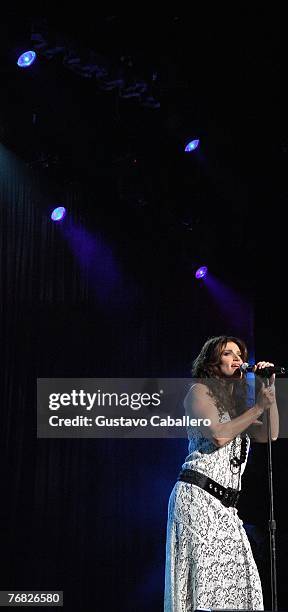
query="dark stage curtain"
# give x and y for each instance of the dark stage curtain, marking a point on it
(85, 516)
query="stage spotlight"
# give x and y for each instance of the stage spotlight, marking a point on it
(192, 145)
(58, 213)
(201, 272)
(26, 59)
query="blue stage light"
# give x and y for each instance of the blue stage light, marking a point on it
(26, 59)
(201, 272)
(192, 145)
(58, 213)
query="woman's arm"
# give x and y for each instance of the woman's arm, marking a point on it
(199, 403)
(266, 397)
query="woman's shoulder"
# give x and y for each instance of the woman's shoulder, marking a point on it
(198, 384)
(197, 389)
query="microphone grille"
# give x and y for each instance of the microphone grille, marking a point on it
(244, 367)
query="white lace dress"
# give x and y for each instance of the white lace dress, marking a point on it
(209, 562)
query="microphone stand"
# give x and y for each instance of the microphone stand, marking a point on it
(272, 522)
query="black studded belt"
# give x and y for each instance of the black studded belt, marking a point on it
(227, 495)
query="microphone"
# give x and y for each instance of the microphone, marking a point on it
(264, 372)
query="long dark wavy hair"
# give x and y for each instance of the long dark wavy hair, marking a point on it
(206, 369)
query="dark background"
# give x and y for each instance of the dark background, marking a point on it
(98, 124)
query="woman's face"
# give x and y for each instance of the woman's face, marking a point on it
(231, 360)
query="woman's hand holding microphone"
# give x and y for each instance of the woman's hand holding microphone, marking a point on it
(266, 396)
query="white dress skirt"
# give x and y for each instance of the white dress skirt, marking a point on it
(209, 562)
